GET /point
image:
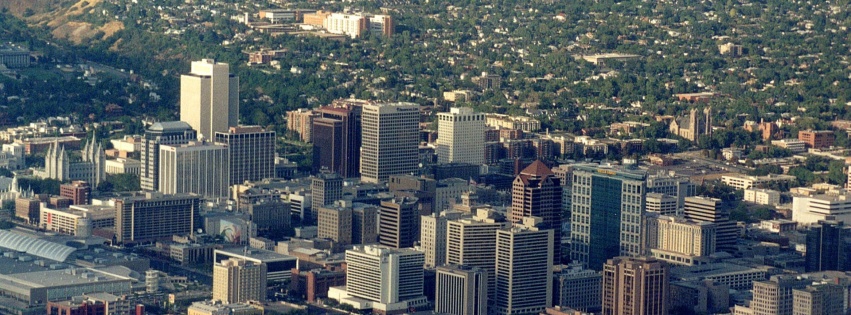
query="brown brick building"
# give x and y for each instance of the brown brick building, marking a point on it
(80, 192)
(816, 138)
(73, 308)
(28, 209)
(314, 283)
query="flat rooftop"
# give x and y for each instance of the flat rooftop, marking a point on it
(53, 278)
(90, 211)
(12, 264)
(708, 270)
(255, 254)
(829, 197)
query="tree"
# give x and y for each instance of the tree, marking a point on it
(40, 186)
(836, 173)
(762, 213)
(123, 182)
(766, 169)
(5, 172)
(804, 176)
(105, 187)
(817, 163)
(6, 225)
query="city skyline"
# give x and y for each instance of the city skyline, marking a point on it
(557, 158)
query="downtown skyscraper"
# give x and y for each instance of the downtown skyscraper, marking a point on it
(196, 167)
(635, 286)
(537, 192)
(607, 213)
(390, 135)
(389, 280)
(161, 133)
(461, 136)
(209, 97)
(337, 137)
(524, 261)
(251, 153)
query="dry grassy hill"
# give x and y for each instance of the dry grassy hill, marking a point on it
(18, 7)
(60, 17)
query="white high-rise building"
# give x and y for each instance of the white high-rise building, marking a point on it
(461, 290)
(524, 274)
(672, 185)
(461, 136)
(238, 281)
(433, 237)
(390, 141)
(385, 279)
(209, 98)
(196, 167)
(472, 242)
(169, 133)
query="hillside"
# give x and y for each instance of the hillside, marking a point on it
(64, 18)
(18, 7)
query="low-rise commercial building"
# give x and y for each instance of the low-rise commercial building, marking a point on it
(794, 145)
(218, 308)
(123, 166)
(808, 210)
(40, 287)
(740, 181)
(77, 220)
(735, 276)
(816, 139)
(314, 284)
(762, 196)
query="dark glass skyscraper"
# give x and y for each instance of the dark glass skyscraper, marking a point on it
(607, 209)
(827, 248)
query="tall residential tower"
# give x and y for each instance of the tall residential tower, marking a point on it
(239, 281)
